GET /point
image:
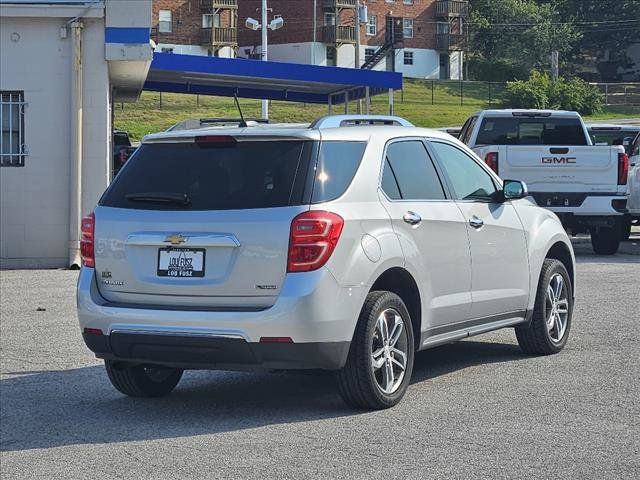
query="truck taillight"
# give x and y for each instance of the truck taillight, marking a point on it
(87, 228)
(491, 159)
(314, 235)
(623, 168)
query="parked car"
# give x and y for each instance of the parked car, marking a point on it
(453, 131)
(585, 185)
(337, 247)
(122, 149)
(613, 134)
(634, 188)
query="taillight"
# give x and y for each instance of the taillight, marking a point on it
(623, 168)
(491, 159)
(86, 243)
(313, 238)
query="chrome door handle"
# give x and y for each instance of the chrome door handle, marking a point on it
(476, 222)
(412, 218)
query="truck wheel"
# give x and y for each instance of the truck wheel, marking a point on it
(625, 229)
(380, 361)
(605, 240)
(549, 328)
(142, 381)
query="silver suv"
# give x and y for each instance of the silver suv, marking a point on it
(347, 245)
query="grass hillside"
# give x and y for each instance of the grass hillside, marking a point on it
(414, 103)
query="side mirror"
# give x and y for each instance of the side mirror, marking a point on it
(627, 141)
(514, 189)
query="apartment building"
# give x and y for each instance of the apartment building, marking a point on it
(196, 27)
(420, 38)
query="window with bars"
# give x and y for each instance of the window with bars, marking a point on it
(12, 149)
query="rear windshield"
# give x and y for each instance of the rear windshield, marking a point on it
(231, 175)
(531, 131)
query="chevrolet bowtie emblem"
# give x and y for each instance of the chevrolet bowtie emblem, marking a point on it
(175, 239)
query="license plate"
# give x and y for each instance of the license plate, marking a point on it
(181, 262)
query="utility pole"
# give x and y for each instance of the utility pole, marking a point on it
(555, 65)
(265, 55)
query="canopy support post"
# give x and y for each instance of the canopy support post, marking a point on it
(391, 101)
(330, 104)
(346, 102)
(367, 99)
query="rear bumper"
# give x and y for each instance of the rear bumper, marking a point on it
(590, 205)
(313, 310)
(219, 353)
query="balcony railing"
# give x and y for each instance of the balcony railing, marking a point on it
(340, 3)
(208, 6)
(450, 41)
(219, 36)
(452, 8)
(338, 34)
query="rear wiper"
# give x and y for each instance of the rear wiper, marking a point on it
(181, 199)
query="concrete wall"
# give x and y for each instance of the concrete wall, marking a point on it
(426, 63)
(34, 199)
(225, 52)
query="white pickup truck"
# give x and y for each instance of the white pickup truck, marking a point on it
(551, 151)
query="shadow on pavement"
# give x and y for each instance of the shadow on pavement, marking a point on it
(71, 407)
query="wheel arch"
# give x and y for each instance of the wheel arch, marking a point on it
(399, 281)
(560, 251)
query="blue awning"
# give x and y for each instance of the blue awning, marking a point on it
(269, 80)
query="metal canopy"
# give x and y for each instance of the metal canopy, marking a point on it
(269, 80)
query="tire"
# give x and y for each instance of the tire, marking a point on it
(540, 336)
(141, 381)
(361, 384)
(605, 240)
(625, 229)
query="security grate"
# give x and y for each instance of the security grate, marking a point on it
(12, 149)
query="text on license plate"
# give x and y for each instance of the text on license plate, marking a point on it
(181, 262)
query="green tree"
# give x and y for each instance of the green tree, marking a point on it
(606, 28)
(509, 38)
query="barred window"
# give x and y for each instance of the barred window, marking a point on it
(12, 149)
(407, 27)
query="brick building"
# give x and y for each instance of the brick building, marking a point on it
(420, 38)
(196, 27)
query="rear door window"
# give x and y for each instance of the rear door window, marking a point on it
(531, 131)
(409, 173)
(221, 175)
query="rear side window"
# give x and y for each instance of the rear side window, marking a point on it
(212, 176)
(337, 165)
(467, 129)
(409, 173)
(531, 131)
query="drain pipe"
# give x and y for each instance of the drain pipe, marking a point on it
(315, 21)
(75, 171)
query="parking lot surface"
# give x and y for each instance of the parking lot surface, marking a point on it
(475, 409)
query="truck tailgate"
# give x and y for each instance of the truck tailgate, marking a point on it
(561, 168)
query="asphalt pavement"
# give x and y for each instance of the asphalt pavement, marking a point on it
(475, 409)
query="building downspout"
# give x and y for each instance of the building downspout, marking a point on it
(75, 171)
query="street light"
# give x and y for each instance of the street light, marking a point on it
(275, 24)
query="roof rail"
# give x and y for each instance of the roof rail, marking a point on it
(334, 121)
(195, 123)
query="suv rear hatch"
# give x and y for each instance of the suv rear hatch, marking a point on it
(203, 223)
